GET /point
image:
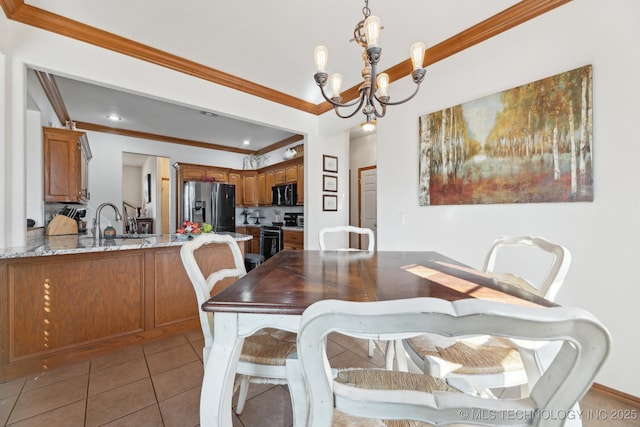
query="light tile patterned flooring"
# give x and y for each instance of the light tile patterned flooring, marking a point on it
(158, 384)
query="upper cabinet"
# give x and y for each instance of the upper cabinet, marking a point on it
(253, 186)
(66, 156)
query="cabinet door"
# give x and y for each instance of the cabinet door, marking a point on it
(262, 186)
(217, 174)
(291, 173)
(293, 240)
(85, 153)
(270, 182)
(236, 179)
(280, 176)
(62, 158)
(300, 185)
(250, 186)
(193, 173)
(255, 242)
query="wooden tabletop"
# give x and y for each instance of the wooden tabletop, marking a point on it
(290, 281)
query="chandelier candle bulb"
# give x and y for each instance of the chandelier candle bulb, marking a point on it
(336, 84)
(321, 55)
(372, 29)
(417, 54)
(383, 84)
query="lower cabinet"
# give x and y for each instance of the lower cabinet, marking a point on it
(293, 240)
(251, 246)
(68, 308)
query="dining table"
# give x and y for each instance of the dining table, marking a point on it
(277, 293)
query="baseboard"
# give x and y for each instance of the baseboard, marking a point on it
(617, 394)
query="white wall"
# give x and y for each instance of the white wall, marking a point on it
(602, 235)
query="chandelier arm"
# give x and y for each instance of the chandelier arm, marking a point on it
(385, 103)
(338, 104)
(357, 109)
(382, 113)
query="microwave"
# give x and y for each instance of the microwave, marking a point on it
(284, 195)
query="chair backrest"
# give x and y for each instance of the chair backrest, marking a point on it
(551, 282)
(202, 285)
(584, 346)
(322, 237)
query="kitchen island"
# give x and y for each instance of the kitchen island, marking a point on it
(69, 298)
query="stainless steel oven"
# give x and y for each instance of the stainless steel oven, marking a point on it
(270, 240)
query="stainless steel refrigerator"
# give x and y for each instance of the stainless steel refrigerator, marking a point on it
(210, 202)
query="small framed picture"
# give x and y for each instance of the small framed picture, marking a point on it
(330, 183)
(329, 163)
(329, 202)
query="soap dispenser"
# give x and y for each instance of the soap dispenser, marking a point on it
(109, 232)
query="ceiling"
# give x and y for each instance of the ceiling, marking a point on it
(267, 44)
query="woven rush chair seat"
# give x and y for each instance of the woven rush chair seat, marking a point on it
(480, 355)
(268, 347)
(382, 379)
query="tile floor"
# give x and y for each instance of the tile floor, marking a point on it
(158, 384)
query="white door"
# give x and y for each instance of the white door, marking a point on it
(368, 201)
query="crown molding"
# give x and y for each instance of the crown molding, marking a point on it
(172, 140)
(50, 87)
(517, 14)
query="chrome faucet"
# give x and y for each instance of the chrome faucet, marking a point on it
(97, 235)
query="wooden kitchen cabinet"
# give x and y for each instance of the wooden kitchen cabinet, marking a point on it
(300, 186)
(190, 172)
(279, 174)
(293, 240)
(236, 178)
(270, 181)
(253, 246)
(66, 156)
(250, 188)
(291, 173)
(262, 188)
(69, 308)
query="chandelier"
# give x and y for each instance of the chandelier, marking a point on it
(373, 99)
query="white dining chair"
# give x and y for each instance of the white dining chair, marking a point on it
(263, 357)
(486, 362)
(325, 232)
(346, 230)
(337, 396)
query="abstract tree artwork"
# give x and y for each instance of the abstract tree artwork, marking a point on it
(529, 144)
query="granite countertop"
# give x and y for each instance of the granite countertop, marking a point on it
(76, 244)
(293, 228)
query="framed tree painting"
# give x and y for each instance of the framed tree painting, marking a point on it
(529, 144)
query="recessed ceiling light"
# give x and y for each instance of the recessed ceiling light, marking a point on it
(114, 117)
(246, 142)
